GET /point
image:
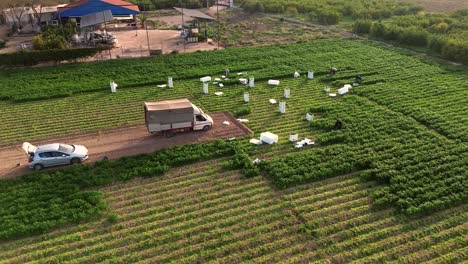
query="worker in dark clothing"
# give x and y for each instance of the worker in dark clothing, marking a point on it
(333, 70)
(338, 124)
(358, 79)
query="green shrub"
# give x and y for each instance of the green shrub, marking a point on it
(242, 112)
(253, 6)
(112, 218)
(362, 26)
(328, 16)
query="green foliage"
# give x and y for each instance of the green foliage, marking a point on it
(37, 202)
(112, 218)
(242, 112)
(441, 33)
(392, 131)
(29, 58)
(362, 26)
(48, 42)
(414, 166)
(54, 37)
(328, 16)
(253, 6)
(358, 9)
(241, 160)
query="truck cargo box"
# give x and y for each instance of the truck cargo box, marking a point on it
(169, 114)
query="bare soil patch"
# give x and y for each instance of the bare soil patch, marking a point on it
(240, 29)
(134, 43)
(120, 142)
(13, 43)
(440, 5)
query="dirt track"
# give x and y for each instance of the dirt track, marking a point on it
(122, 142)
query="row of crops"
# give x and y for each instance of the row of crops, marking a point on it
(201, 213)
(404, 128)
(37, 202)
(432, 95)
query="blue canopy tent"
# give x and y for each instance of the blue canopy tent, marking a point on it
(86, 7)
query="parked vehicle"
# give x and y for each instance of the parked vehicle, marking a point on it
(54, 155)
(172, 116)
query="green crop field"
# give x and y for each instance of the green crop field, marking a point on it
(389, 186)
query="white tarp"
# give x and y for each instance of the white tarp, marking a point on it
(343, 90)
(205, 79)
(287, 92)
(274, 82)
(282, 107)
(251, 82)
(170, 82)
(96, 18)
(255, 141)
(246, 97)
(113, 87)
(269, 137)
(294, 137)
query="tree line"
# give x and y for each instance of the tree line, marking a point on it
(445, 34)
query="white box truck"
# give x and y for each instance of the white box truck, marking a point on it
(173, 116)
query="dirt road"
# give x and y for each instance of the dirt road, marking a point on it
(122, 142)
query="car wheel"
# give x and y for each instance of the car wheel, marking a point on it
(206, 128)
(38, 167)
(75, 161)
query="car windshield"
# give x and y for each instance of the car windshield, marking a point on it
(66, 148)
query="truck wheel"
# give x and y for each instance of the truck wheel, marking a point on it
(169, 134)
(75, 161)
(38, 167)
(206, 128)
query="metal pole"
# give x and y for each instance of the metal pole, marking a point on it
(61, 25)
(183, 28)
(146, 27)
(217, 17)
(147, 38)
(107, 38)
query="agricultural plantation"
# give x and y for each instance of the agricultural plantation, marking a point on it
(389, 186)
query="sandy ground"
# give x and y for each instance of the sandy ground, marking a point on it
(121, 142)
(177, 19)
(13, 43)
(134, 43)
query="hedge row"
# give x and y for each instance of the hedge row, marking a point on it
(29, 58)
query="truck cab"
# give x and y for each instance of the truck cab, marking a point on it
(201, 121)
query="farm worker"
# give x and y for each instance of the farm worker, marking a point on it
(358, 79)
(338, 124)
(333, 70)
(227, 72)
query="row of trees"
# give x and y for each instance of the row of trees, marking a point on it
(443, 34)
(18, 9)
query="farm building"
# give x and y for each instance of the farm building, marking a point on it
(118, 8)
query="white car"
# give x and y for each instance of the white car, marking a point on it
(54, 155)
